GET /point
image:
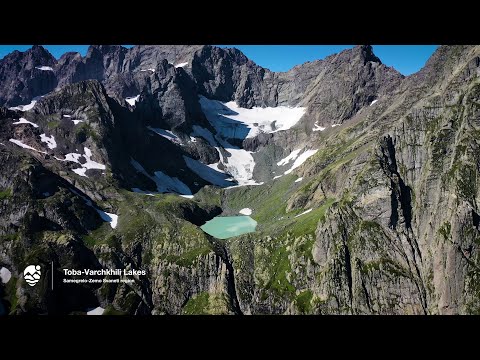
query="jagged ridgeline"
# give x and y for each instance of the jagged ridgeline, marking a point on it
(363, 183)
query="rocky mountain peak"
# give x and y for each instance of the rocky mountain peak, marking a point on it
(365, 52)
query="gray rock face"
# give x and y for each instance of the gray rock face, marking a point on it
(21, 79)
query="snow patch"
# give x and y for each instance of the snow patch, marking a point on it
(80, 171)
(333, 125)
(5, 275)
(28, 106)
(89, 163)
(246, 211)
(209, 173)
(25, 146)
(299, 179)
(373, 102)
(300, 160)
(187, 196)
(303, 213)
(97, 311)
(239, 164)
(75, 121)
(181, 64)
(107, 217)
(277, 176)
(199, 131)
(289, 158)
(132, 100)
(317, 127)
(138, 191)
(44, 68)
(151, 69)
(50, 141)
(165, 183)
(25, 121)
(167, 134)
(192, 139)
(233, 121)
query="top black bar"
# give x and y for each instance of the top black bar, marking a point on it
(242, 23)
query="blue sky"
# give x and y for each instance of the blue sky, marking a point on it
(405, 58)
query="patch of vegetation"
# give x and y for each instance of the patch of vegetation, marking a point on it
(205, 303)
(53, 124)
(110, 310)
(189, 257)
(197, 305)
(268, 202)
(307, 223)
(445, 230)
(84, 131)
(279, 266)
(385, 265)
(5, 194)
(102, 235)
(210, 195)
(9, 237)
(473, 289)
(303, 301)
(467, 182)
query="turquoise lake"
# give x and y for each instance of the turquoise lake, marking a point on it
(224, 227)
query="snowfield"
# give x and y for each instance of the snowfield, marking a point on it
(132, 100)
(25, 146)
(108, 217)
(232, 121)
(317, 127)
(303, 213)
(89, 163)
(167, 134)
(44, 68)
(5, 275)
(97, 311)
(165, 183)
(28, 106)
(50, 141)
(210, 173)
(246, 211)
(300, 160)
(199, 131)
(112, 219)
(25, 121)
(181, 64)
(289, 158)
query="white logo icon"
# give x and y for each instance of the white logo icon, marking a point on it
(32, 274)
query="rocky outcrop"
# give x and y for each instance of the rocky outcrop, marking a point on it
(26, 75)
